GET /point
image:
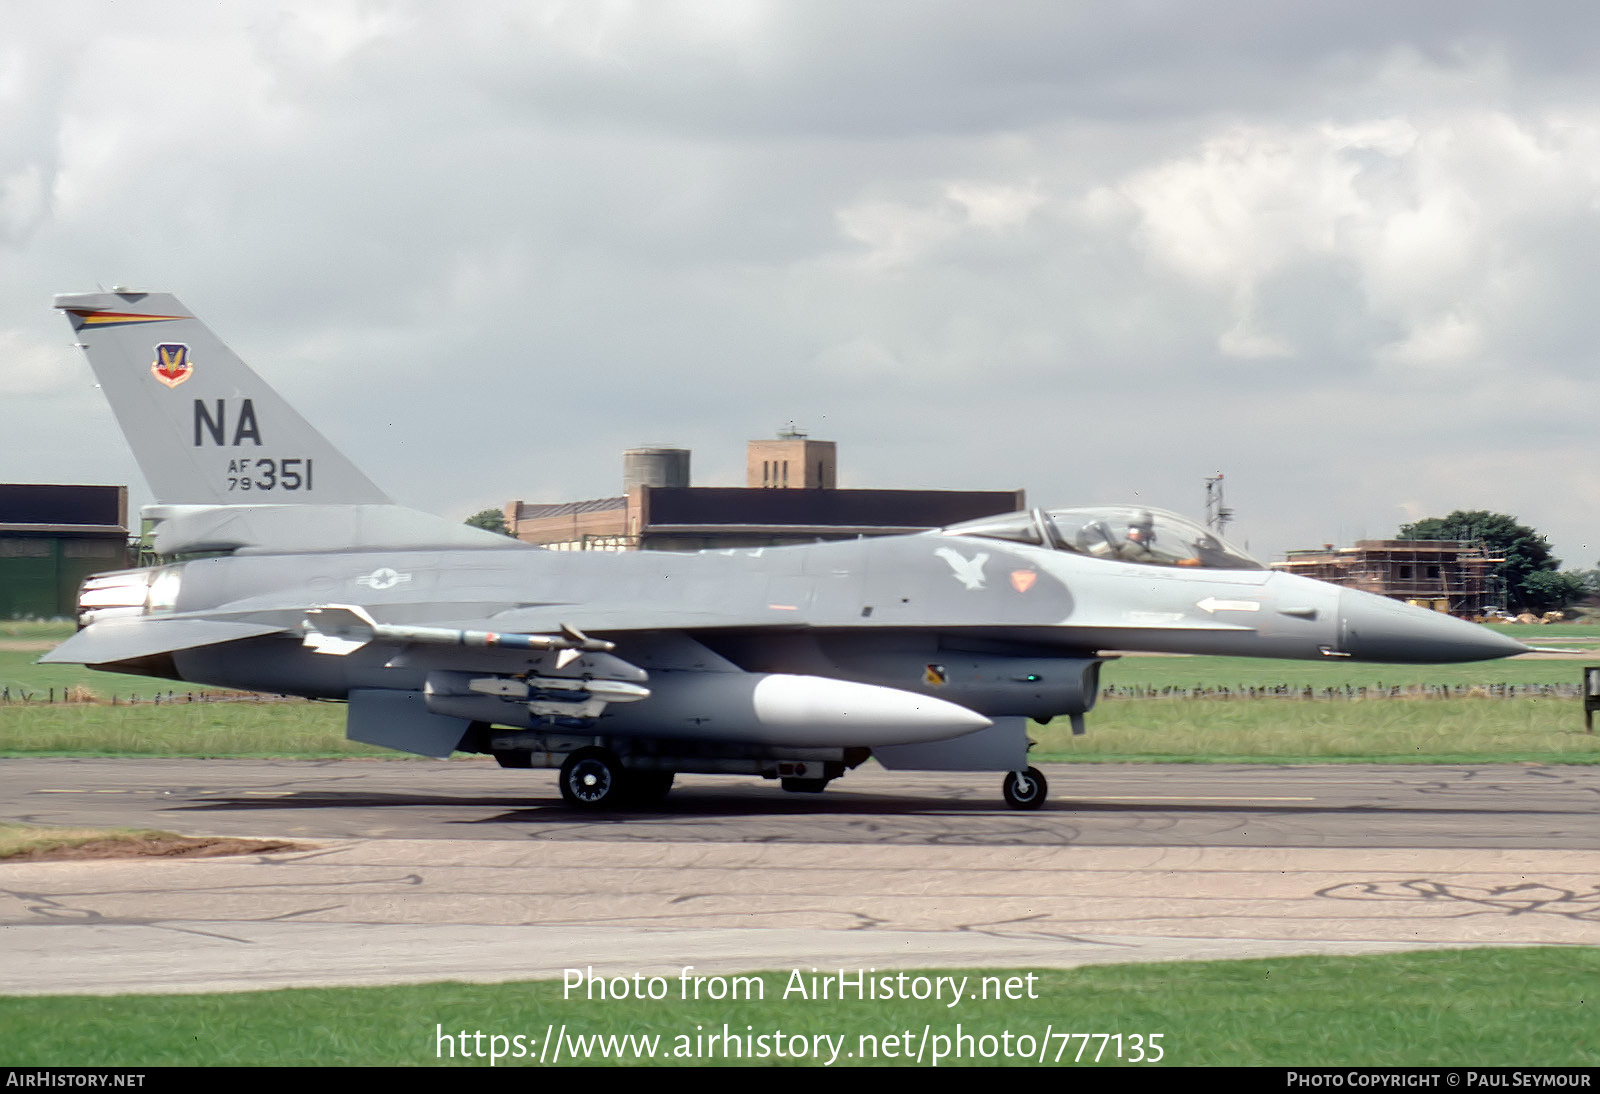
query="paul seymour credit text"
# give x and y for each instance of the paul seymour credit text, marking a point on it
(927, 1043)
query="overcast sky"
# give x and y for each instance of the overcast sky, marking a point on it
(1346, 253)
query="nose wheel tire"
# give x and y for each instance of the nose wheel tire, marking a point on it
(1025, 789)
(592, 778)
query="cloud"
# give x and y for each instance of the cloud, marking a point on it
(1438, 220)
(1096, 251)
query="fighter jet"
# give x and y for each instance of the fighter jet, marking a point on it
(287, 570)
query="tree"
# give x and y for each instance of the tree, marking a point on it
(1528, 571)
(490, 520)
(1546, 591)
(1590, 579)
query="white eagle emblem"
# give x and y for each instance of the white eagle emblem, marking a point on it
(969, 571)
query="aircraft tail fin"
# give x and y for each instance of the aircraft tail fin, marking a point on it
(205, 429)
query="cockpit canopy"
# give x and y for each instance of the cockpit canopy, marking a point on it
(1128, 533)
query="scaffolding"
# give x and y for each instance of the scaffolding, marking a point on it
(1448, 575)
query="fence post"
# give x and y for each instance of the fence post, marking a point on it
(1591, 695)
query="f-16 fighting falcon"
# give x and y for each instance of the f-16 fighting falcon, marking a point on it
(287, 570)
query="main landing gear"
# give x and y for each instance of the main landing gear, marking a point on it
(1025, 789)
(593, 778)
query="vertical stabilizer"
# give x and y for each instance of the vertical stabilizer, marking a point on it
(205, 429)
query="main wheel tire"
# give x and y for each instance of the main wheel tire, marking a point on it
(646, 788)
(1025, 789)
(592, 778)
(804, 786)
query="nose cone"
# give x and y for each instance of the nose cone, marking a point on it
(1375, 628)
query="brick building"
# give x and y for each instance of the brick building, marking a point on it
(790, 497)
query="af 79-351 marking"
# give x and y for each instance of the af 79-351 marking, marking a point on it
(291, 474)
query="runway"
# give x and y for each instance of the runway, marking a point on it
(425, 871)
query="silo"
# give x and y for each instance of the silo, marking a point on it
(655, 467)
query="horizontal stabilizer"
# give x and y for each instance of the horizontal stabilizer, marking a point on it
(126, 639)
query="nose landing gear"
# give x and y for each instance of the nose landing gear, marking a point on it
(1025, 789)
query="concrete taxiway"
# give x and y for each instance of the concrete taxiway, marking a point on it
(424, 871)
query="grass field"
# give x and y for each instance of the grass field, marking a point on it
(1241, 730)
(23, 643)
(209, 729)
(53, 629)
(1535, 634)
(1467, 1007)
(1291, 731)
(1248, 672)
(21, 839)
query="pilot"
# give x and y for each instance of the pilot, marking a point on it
(1139, 544)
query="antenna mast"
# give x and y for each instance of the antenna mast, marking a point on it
(1217, 512)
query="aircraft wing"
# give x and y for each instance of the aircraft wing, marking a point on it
(113, 640)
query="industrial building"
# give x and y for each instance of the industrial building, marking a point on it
(1448, 575)
(790, 496)
(51, 538)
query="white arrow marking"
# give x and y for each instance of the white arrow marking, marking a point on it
(1212, 604)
